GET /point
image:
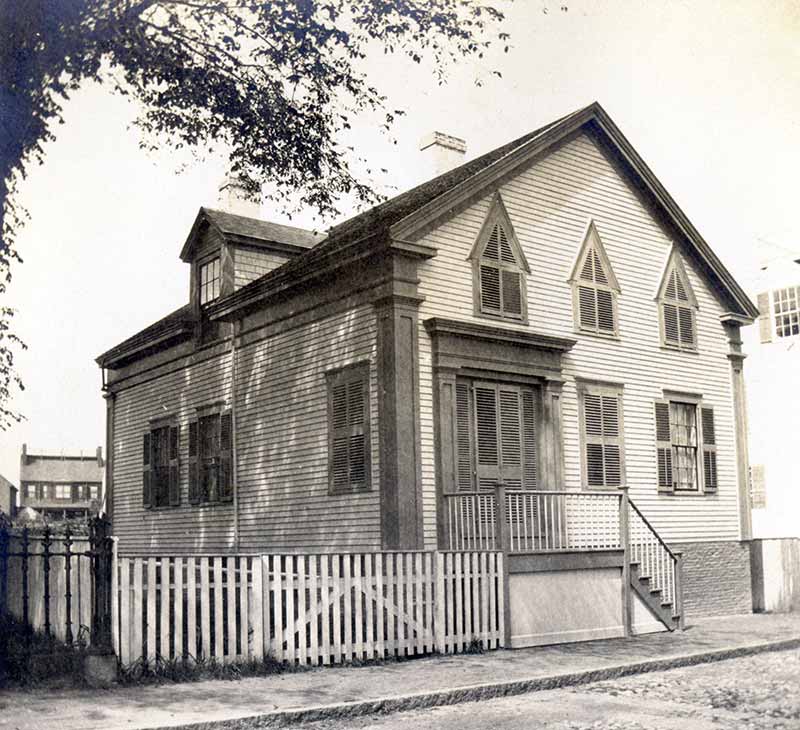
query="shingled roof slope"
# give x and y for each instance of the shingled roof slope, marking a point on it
(379, 219)
(175, 323)
(264, 230)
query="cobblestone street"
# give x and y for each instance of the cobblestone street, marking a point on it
(751, 693)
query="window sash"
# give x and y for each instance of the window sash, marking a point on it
(209, 276)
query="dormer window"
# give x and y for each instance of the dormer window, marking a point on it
(499, 268)
(677, 305)
(594, 287)
(209, 281)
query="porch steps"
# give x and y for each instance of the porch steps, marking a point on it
(662, 610)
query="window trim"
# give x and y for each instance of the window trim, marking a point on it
(499, 215)
(702, 448)
(203, 264)
(593, 242)
(354, 372)
(675, 264)
(195, 495)
(173, 465)
(600, 388)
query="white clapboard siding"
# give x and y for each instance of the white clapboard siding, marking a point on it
(550, 205)
(306, 609)
(282, 448)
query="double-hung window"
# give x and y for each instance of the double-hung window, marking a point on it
(209, 279)
(686, 447)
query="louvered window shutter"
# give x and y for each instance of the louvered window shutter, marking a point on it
(530, 475)
(710, 482)
(664, 447)
(500, 278)
(595, 298)
(349, 459)
(225, 478)
(174, 471)
(603, 439)
(764, 319)
(464, 454)
(678, 313)
(194, 472)
(147, 492)
(486, 441)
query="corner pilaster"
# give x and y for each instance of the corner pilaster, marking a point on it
(736, 358)
(552, 467)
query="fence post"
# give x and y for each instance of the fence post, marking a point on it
(4, 544)
(504, 537)
(101, 546)
(625, 543)
(441, 620)
(46, 542)
(679, 589)
(25, 592)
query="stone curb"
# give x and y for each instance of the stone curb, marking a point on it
(472, 693)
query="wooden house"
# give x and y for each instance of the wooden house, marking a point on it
(542, 321)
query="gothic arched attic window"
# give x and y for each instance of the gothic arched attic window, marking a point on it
(594, 287)
(499, 268)
(676, 306)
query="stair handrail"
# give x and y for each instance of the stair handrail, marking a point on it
(652, 529)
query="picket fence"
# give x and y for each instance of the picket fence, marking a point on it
(306, 609)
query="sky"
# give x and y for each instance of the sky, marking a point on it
(707, 92)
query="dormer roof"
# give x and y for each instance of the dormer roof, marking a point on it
(250, 231)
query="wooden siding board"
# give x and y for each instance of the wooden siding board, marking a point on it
(550, 204)
(282, 447)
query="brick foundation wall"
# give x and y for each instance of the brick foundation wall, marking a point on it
(716, 578)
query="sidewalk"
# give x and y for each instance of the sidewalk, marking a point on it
(349, 691)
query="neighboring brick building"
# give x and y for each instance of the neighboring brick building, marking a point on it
(61, 486)
(8, 497)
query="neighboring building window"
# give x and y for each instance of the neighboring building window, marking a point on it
(677, 305)
(686, 447)
(495, 436)
(209, 281)
(602, 436)
(160, 485)
(786, 313)
(211, 459)
(349, 429)
(594, 287)
(499, 268)
(63, 491)
(758, 487)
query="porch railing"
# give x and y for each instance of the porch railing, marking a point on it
(541, 521)
(656, 561)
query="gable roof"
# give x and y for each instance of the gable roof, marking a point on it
(407, 216)
(252, 231)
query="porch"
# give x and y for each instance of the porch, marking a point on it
(570, 556)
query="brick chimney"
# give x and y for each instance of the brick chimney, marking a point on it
(441, 153)
(99, 455)
(233, 198)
